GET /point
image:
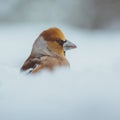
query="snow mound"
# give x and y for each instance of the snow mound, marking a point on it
(88, 91)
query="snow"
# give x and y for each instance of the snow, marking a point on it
(89, 90)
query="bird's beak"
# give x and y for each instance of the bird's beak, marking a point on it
(68, 45)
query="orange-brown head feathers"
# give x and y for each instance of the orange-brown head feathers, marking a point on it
(52, 34)
(55, 39)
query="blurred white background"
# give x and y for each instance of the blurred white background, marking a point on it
(90, 90)
(92, 14)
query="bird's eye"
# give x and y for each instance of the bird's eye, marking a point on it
(60, 42)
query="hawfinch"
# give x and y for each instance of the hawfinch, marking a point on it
(48, 51)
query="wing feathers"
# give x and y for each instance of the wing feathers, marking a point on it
(34, 65)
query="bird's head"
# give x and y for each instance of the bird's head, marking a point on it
(56, 41)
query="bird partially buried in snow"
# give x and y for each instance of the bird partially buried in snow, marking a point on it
(48, 51)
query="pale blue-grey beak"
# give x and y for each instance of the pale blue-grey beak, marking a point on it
(68, 45)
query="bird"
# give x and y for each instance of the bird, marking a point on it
(48, 51)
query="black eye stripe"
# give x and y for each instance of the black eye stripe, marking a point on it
(61, 42)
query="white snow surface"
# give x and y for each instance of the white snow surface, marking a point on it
(89, 90)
